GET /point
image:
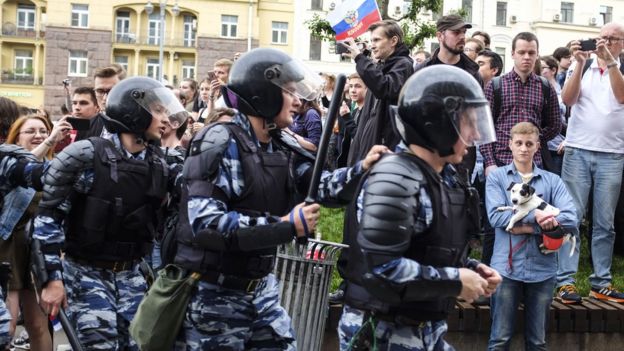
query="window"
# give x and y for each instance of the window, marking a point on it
(23, 62)
(316, 5)
(122, 61)
(80, 15)
(123, 26)
(153, 29)
(78, 62)
(189, 30)
(229, 24)
(606, 12)
(26, 17)
(315, 49)
(280, 32)
(501, 53)
(467, 6)
(153, 68)
(501, 13)
(567, 12)
(188, 69)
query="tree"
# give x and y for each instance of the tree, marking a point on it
(416, 30)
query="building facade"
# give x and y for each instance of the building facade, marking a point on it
(45, 42)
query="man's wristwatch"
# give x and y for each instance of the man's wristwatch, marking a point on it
(612, 64)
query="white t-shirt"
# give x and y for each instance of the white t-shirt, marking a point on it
(597, 119)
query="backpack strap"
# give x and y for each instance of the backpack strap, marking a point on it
(496, 91)
(546, 98)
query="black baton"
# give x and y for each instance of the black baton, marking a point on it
(321, 153)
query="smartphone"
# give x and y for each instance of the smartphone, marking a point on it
(79, 123)
(341, 48)
(211, 76)
(588, 45)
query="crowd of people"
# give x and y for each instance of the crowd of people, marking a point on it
(210, 176)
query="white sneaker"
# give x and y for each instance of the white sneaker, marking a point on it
(64, 347)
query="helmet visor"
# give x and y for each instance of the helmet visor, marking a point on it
(162, 102)
(296, 78)
(475, 126)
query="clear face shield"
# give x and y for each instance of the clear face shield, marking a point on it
(475, 126)
(296, 78)
(162, 103)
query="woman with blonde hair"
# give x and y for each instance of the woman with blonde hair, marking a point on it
(35, 134)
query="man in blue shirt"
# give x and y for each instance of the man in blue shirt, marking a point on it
(517, 256)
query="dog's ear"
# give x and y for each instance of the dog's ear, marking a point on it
(529, 189)
(511, 186)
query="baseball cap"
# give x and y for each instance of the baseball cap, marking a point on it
(451, 22)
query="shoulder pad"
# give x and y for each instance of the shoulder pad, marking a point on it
(16, 151)
(395, 175)
(64, 170)
(205, 152)
(213, 137)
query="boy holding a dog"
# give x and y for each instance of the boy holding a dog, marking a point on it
(525, 255)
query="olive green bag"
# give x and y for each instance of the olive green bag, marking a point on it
(161, 312)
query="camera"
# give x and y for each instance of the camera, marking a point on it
(66, 82)
(588, 45)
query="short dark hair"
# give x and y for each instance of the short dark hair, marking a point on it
(421, 51)
(86, 91)
(106, 72)
(528, 36)
(495, 60)
(9, 112)
(550, 62)
(561, 52)
(486, 37)
(390, 28)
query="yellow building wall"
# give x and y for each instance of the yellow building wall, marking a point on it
(27, 95)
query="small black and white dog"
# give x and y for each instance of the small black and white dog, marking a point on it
(524, 201)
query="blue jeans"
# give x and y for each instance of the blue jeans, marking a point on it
(537, 298)
(581, 169)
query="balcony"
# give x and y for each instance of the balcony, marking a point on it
(154, 41)
(11, 30)
(9, 77)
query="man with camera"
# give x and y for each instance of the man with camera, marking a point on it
(594, 155)
(384, 74)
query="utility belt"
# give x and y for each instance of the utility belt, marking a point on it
(115, 266)
(109, 251)
(231, 281)
(357, 296)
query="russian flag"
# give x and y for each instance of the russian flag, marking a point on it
(353, 17)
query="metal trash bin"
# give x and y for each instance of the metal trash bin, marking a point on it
(304, 273)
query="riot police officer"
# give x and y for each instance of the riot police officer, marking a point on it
(99, 205)
(243, 179)
(407, 262)
(19, 169)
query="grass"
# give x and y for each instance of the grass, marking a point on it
(331, 224)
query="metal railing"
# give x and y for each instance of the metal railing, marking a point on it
(131, 38)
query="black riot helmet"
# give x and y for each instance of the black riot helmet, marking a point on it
(439, 105)
(258, 77)
(132, 102)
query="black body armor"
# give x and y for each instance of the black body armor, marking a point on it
(387, 233)
(268, 189)
(116, 219)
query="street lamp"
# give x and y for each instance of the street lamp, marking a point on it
(149, 8)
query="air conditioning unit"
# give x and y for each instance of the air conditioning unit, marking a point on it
(593, 21)
(513, 19)
(557, 17)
